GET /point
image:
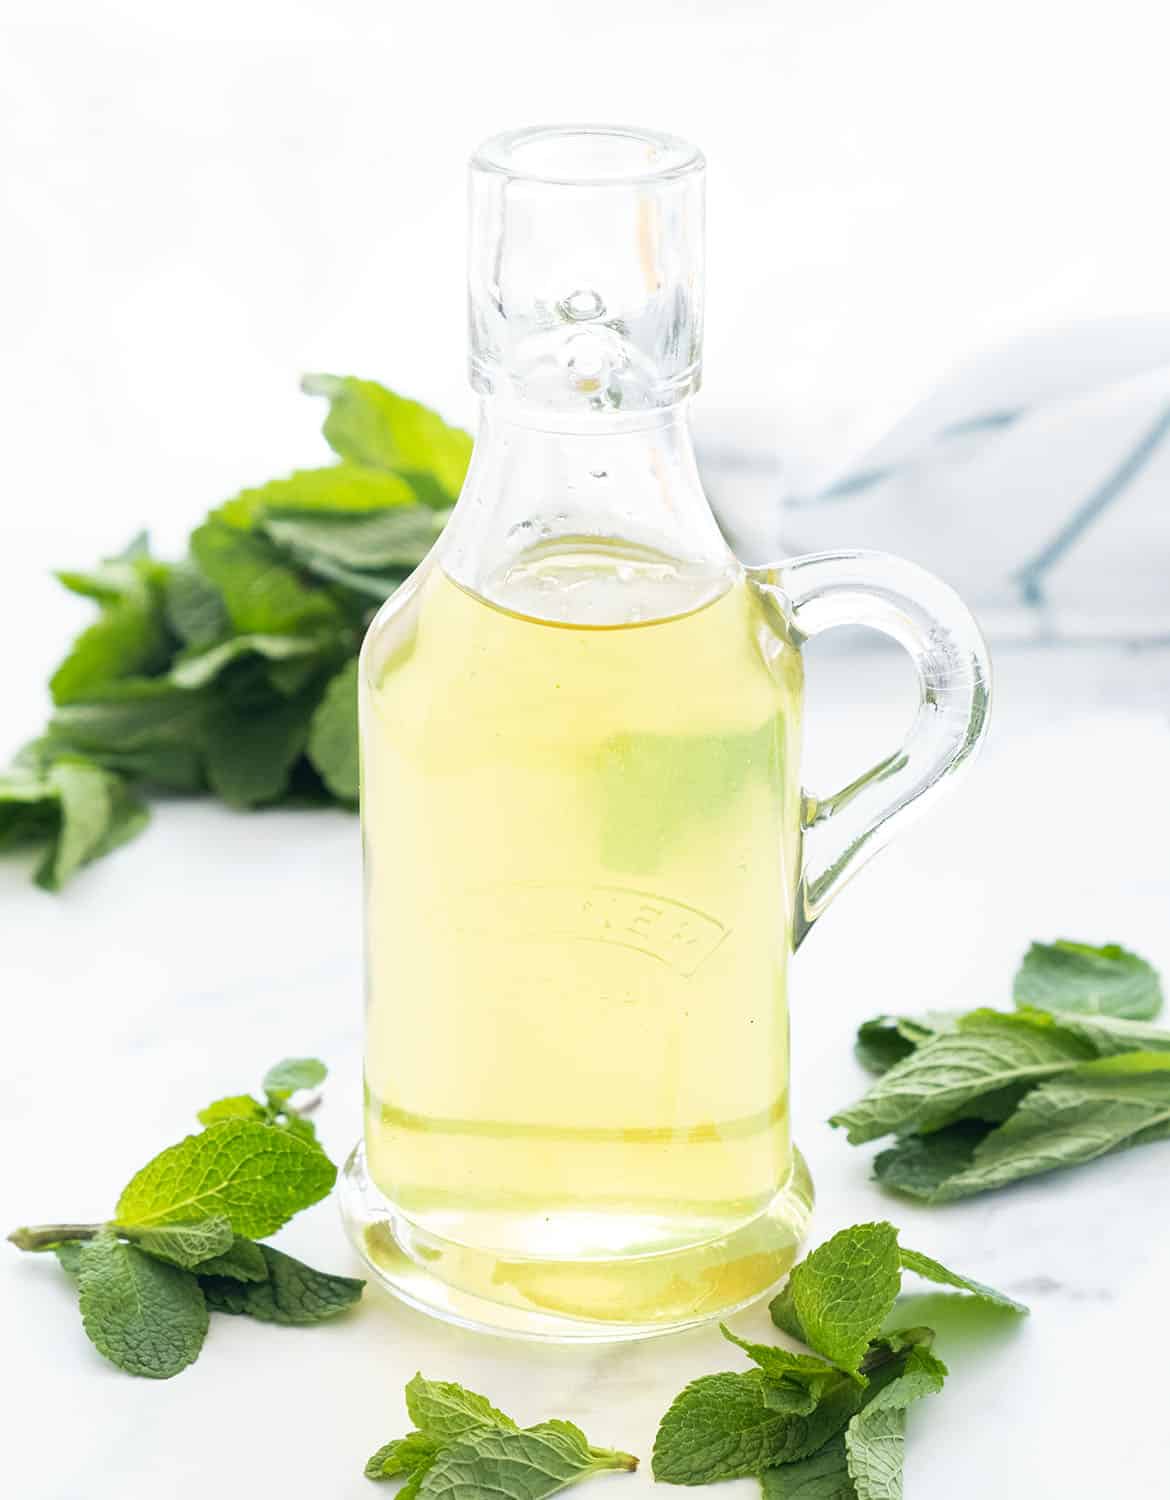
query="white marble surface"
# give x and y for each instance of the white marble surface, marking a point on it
(179, 969)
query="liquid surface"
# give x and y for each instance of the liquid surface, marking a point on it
(580, 852)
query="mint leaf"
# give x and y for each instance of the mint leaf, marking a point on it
(918, 1165)
(528, 1465)
(1099, 1107)
(243, 1261)
(822, 1476)
(293, 1293)
(115, 577)
(944, 1077)
(198, 670)
(233, 1107)
(446, 1411)
(837, 1298)
(721, 1427)
(402, 1456)
(254, 1175)
(184, 1245)
(932, 1270)
(252, 744)
(333, 735)
(875, 1437)
(145, 1316)
(340, 487)
(1075, 976)
(397, 537)
(130, 639)
(194, 608)
(73, 806)
(293, 1073)
(1110, 1035)
(363, 589)
(149, 729)
(805, 1374)
(261, 593)
(887, 1040)
(69, 1257)
(368, 424)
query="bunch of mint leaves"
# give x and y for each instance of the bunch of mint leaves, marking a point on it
(829, 1425)
(984, 1099)
(234, 669)
(463, 1446)
(183, 1239)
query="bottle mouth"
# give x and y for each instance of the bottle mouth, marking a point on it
(588, 155)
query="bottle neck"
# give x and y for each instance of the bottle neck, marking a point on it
(540, 477)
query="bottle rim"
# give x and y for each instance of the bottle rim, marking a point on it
(585, 155)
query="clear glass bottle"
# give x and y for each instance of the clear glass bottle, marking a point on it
(588, 855)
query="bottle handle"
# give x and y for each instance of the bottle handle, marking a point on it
(826, 589)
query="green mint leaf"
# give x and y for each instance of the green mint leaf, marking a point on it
(1101, 1106)
(363, 589)
(402, 1456)
(147, 728)
(887, 1040)
(804, 1373)
(875, 1438)
(95, 813)
(196, 671)
(261, 593)
(941, 1079)
(69, 1257)
(130, 639)
(721, 1427)
(299, 1125)
(253, 743)
(340, 487)
(491, 1462)
(446, 1411)
(918, 1165)
(145, 1316)
(293, 1294)
(1110, 1035)
(253, 1175)
(932, 1270)
(822, 1476)
(1078, 977)
(115, 577)
(333, 735)
(29, 808)
(414, 1483)
(398, 537)
(185, 1245)
(233, 1107)
(194, 608)
(244, 1261)
(368, 424)
(837, 1298)
(293, 1073)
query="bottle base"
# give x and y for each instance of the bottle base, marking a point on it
(578, 1301)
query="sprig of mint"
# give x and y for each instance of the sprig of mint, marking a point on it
(981, 1100)
(827, 1425)
(462, 1445)
(182, 1240)
(295, 1075)
(233, 670)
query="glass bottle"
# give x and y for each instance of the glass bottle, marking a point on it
(588, 855)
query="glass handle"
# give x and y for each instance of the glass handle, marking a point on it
(920, 612)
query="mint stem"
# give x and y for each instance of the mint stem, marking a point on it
(612, 1458)
(45, 1236)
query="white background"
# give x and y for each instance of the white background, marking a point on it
(203, 201)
